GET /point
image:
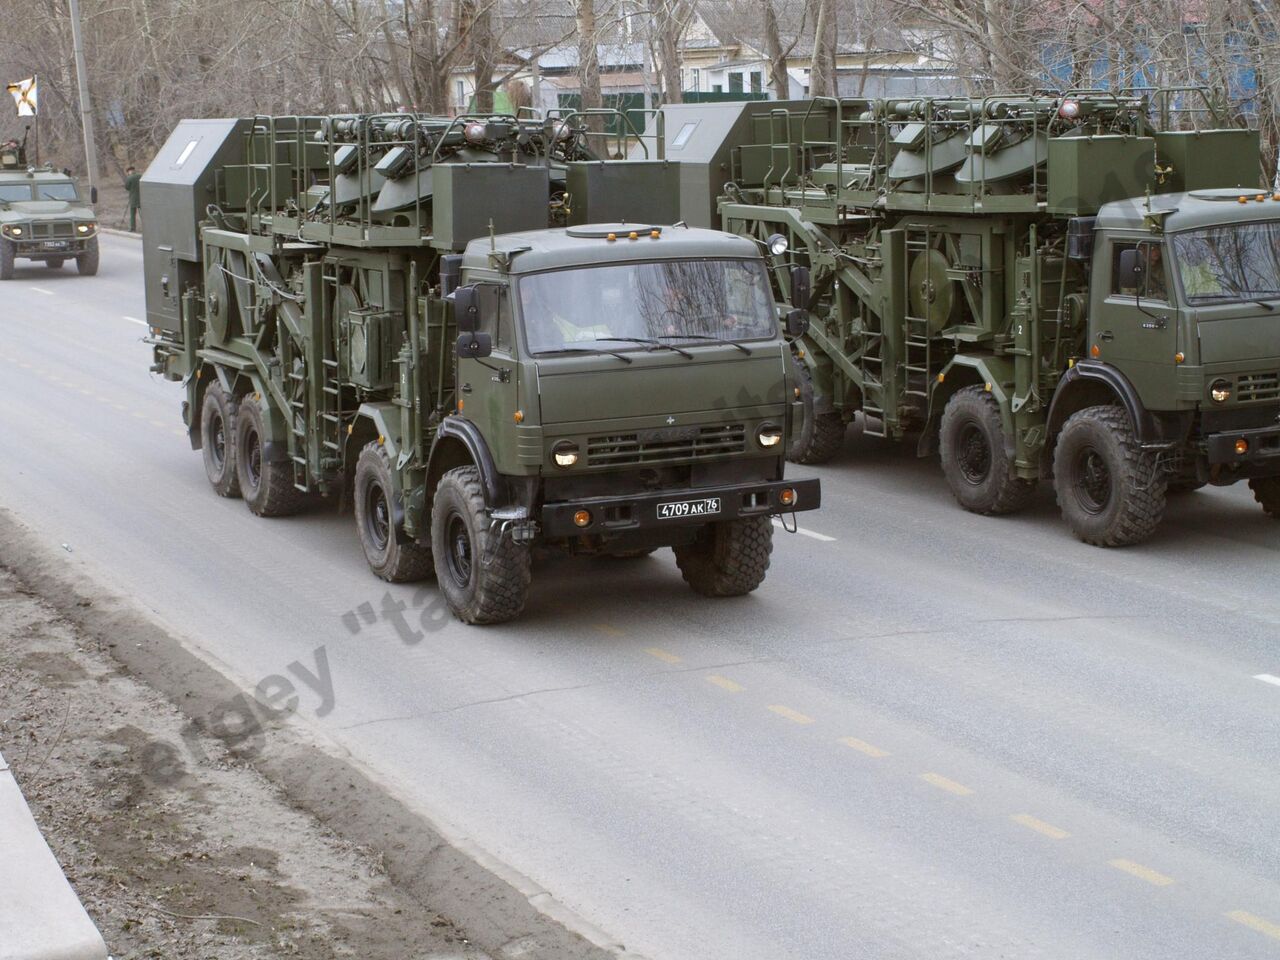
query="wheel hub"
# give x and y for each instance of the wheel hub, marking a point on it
(973, 454)
(377, 513)
(1092, 481)
(459, 541)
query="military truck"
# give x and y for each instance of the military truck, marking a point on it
(43, 216)
(377, 310)
(1078, 286)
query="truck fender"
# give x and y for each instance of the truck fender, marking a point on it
(1085, 384)
(967, 371)
(455, 430)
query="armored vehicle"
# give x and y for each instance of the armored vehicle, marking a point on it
(1077, 286)
(379, 310)
(43, 216)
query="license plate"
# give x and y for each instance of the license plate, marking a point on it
(54, 245)
(688, 508)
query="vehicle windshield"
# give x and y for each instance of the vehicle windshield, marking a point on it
(15, 192)
(671, 302)
(57, 190)
(1231, 262)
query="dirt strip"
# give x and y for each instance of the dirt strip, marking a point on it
(187, 837)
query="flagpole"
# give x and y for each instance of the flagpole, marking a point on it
(86, 111)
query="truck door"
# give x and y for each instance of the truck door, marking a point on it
(1134, 323)
(487, 387)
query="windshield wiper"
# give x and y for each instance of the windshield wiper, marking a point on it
(649, 343)
(699, 336)
(613, 353)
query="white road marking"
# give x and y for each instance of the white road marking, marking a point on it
(134, 320)
(47, 293)
(1267, 678)
(806, 533)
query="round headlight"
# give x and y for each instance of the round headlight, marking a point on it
(769, 435)
(85, 227)
(777, 244)
(565, 453)
(15, 231)
(1220, 390)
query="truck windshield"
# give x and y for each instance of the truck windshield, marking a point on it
(670, 302)
(14, 192)
(1238, 261)
(57, 191)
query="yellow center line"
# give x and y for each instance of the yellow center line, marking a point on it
(1039, 826)
(1141, 872)
(863, 747)
(938, 780)
(724, 683)
(795, 716)
(1256, 923)
(662, 655)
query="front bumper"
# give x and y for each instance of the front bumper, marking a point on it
(619, 515)
(1263, 446)
(51, 246)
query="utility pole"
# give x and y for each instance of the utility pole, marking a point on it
(86, 113)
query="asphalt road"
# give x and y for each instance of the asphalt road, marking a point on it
(928, 735)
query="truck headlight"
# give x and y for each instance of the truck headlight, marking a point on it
(777, 244)
(1220, 390)
(84, 228)
(769, 435)
(565, 453)
(13, 231)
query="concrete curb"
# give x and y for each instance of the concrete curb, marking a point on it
(504, 912)
(40, 914)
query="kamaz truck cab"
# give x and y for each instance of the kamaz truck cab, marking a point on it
(1183, 328)
(43, 216)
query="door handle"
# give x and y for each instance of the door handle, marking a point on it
(1106, 336)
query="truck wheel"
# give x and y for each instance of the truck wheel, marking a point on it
(483, 574)
(972, 444)
(267, 488)
(821, 435)
(217, 431)
(1111, 492)
(375, 509)
(1266, 490)
(728, 559)
(6, 260)
(87, 262)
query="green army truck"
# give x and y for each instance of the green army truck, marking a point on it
(43, 216)
(411, 316)
(1077, 286)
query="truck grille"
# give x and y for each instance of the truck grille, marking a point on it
(656, 446)
(43, 229)
(1258, 386)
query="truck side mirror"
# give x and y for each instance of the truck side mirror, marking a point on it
(474, 345)
(800, 287)
(466, 309)
(93, 194)
(1132, 266)
(797, 323)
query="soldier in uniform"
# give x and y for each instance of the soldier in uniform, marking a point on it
(133, 183)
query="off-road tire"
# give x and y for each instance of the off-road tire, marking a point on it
(972, 446)
(267, 488)
(217, 441)
(821, 435)
(376, 507)
(483, 574)
(729, 558)
(7, 255)
(1111, 491)
(1266, 490)
(55, 263)
(87, 262)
